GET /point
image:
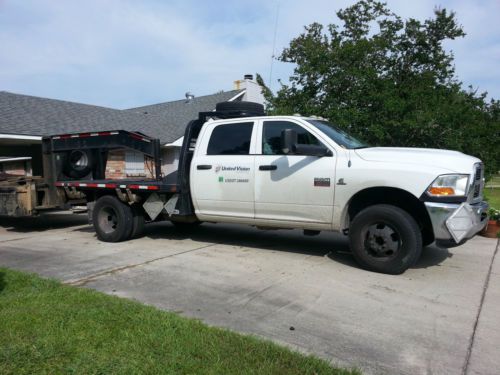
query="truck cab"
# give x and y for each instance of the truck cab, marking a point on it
(240, 172)
(300, 172)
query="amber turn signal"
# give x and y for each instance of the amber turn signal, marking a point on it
(440, 191)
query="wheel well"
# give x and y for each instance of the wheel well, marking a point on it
(396, 197)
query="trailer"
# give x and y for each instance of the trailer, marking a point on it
(71, 158)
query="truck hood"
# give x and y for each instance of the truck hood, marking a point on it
(453, 161)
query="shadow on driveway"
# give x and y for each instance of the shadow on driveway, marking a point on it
(327, 244)
(332, 245)
(433, 256)
(42, 222)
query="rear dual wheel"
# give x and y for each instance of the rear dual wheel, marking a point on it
(115, 221)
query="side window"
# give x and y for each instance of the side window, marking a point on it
(271, 137)
(231, 139)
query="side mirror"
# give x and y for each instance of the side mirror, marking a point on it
(288, 141)
(290, 146)
(312, 150)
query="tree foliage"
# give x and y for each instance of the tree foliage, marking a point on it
(389, 81)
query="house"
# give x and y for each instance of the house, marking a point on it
(25, 119)
(17, 166)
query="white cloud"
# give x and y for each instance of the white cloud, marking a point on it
(127, 53)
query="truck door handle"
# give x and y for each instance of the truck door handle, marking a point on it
(268, 167)
(203, 166)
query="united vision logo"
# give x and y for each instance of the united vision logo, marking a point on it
(237, 168)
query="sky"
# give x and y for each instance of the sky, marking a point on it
(124, 54)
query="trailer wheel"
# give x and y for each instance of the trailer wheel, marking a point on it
(113, 220)
(78, 163)
(385, 239)
(249, 108)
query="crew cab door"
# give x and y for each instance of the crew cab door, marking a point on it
(292, 188)
(222, 171)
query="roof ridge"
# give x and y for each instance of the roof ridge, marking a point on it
(182, 100)
(58, 100)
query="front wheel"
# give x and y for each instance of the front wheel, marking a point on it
(385, 239)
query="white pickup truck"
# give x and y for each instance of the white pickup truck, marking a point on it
(238, 165)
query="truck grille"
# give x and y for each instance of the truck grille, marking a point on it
(478, 182)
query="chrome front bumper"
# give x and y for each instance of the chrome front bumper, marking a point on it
(457, 222)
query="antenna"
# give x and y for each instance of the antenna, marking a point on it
(274, 45)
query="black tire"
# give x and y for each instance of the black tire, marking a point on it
(78, 163)
(137, 221)
(249, 108)
(112, 219)
(385, 239)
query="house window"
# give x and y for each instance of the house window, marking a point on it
(134, 163)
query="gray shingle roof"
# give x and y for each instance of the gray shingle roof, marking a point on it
(175, 115)
(31, 115)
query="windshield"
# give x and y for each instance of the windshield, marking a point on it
(337, 135)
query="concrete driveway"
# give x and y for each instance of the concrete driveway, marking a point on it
(441, 317)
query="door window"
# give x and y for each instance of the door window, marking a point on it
(271, 137)
(231, 139)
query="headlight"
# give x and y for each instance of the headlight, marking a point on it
(449, 185)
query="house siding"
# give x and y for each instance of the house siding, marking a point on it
(116, 167)
(18, 168)
(170, 160)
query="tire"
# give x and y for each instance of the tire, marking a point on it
(112, 219)
(137, 222)
(78, 163)
(249, 108)
(385, 239)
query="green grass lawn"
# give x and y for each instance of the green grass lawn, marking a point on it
(50, 328)
(493, 197)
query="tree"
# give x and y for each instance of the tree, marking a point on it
(389, 81)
